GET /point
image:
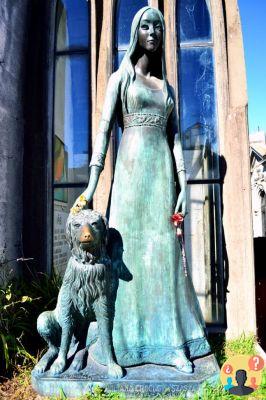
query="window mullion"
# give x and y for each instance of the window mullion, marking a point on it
(70, 52)
(70, 185)
(188, 45)
(154, 3)
(171, 45)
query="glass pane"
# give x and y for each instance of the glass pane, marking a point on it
(72, 24)
(71, 119)
(203, 241)
(63, 201)
(194, 21)
(118, 131)
(126, 9)
(198, 112)
(120, 56)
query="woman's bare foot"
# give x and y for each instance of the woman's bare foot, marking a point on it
(183, 364)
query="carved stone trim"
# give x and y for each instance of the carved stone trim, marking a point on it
(141, 119)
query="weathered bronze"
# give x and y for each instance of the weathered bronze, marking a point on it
(157, 318)
(87, 294)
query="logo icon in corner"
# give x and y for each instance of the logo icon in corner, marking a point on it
(242, 375)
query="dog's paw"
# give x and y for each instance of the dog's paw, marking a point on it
(41, 367)
(115, 371)
(78, 362)
(77, 365)
(44, 362)
(58, 366)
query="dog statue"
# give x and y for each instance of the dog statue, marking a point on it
(87, 295)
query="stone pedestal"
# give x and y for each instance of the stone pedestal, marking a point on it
(145, 380)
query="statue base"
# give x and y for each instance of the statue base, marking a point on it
(144, 380)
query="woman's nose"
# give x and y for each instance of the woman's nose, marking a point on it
(151, 30)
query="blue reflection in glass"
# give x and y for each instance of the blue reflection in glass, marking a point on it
(120, 56)
(126, 9)
(72, 108)
(72, 24)
(193, 20)
(118, 131)
(198, 109)
(203, 230)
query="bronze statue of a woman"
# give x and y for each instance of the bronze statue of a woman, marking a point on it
(157, 315)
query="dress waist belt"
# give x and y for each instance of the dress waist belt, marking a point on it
(143, 119)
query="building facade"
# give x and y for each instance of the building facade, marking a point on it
(55, 61)
(258, 191)
(258, 185)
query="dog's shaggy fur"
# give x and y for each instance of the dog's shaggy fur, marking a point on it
(87, 294)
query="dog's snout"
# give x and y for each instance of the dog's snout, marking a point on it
(86, 234)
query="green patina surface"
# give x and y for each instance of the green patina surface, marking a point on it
(157, 315)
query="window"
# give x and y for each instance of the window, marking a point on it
(198, 124)
(71, 122)
(125, 11)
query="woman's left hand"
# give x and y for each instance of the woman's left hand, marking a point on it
(181, 205)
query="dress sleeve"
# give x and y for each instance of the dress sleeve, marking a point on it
(107, 121)
(173, 128)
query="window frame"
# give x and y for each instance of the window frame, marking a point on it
(216, 47)
(218, 274)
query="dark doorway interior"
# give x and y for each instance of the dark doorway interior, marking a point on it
(260, 271)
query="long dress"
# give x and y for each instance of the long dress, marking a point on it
(156, 312)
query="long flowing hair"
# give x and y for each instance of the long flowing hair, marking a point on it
(127, 70)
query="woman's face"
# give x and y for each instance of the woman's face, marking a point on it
(150, 31)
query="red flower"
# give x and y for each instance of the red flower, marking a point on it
(177, 219)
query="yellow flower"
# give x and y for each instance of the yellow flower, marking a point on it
(81, 203)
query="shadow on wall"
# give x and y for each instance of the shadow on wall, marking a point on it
(223, 169)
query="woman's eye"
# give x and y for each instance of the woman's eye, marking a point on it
(77, 225)
(158, 27)
(144, 27)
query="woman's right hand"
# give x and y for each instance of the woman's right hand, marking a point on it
(80, 203)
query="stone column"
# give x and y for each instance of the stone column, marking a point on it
(13, 17)
(105, 69)
(237, 219)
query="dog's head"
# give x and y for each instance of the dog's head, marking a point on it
(86, 233)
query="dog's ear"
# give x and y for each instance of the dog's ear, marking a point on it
(106, 225)
(105, 221)
(68, 231)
